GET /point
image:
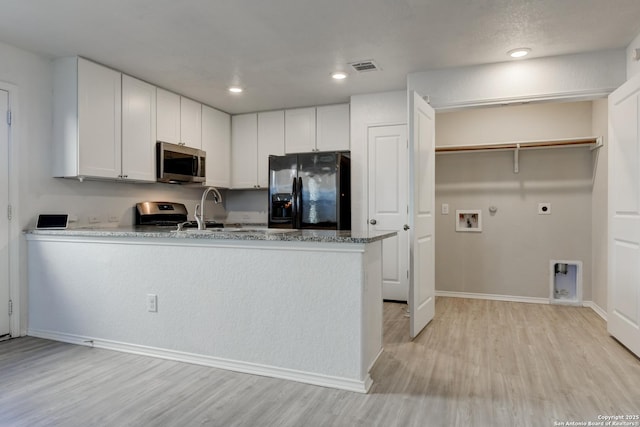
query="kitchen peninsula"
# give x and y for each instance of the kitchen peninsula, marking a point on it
(298, 305)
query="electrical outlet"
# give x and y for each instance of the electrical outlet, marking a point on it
(544, 208)
(114, 218)
(94, 219)
(445, 209)
(152, 303)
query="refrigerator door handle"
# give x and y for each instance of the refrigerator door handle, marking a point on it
(294, 204)
(299, 204)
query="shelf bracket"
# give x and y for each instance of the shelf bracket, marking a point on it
(516, 159)
(599, 143)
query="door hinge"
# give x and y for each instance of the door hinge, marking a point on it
(10, 307)
(9, 117)
(9, 212)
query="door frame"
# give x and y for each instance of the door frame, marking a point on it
(16, 325)
(553, 97)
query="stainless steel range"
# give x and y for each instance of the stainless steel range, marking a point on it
(166, 215)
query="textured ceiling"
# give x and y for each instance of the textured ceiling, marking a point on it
(283, 51)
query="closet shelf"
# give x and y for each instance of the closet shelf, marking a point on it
(594, 142)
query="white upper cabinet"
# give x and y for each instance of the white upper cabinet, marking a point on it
(87, 120)
(168, 114)
(254, 138)
(216, 142)
(244, 151)
(138, 130)
(323, 128)
(190, 123)
(270, 142)
(332, 128)
(179, 119)
(300, 130)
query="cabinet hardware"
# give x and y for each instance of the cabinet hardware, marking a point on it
(406, 227)
(373, 222)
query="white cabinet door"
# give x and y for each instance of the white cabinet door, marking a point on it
(190, 123)
(388, 201)
(99, 120)
(270, 142)
(332, 128)
(138, 130)
(623, 314)
(168, 116)
(244, 151)
(300, 130)
(216, 142)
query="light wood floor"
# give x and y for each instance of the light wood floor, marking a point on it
(479, 363)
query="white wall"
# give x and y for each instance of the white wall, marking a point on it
(37, 191)
(377, 109)
(536, 122)
(511, 255)
(633, 66)
(587, 75)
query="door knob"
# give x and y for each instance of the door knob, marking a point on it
(373, 222)
(406, 227)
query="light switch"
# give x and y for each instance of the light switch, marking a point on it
(445, 209)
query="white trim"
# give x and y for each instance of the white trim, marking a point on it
(375, 359)
(595, 307)
(572, 96)
(493, 297)
(15, 324)
(213, 362)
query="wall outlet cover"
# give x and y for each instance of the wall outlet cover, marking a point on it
(152, 303)
(445, 209)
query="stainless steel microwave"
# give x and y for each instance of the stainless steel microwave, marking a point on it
(178, 163)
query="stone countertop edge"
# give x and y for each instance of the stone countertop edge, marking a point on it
(321, 236)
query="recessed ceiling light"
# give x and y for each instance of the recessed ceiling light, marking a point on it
(339, 75)
(235, 89)
(519, 52)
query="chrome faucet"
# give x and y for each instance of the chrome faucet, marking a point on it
(217, 198)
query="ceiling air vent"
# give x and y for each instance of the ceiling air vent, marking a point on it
(362, 66)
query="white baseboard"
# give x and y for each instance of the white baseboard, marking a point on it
(494, 297)
(595, 307)
(214, 362)
(510, 298)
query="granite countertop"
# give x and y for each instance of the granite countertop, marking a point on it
(272, 234)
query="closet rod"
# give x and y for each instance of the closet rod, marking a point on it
(595, 141)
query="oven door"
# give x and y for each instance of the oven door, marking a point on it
(177, 163)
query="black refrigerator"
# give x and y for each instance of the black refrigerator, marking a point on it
(310, 190)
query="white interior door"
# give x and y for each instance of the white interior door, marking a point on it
(388, 205)
(422, 216)
(5, 327)
(623, 317)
